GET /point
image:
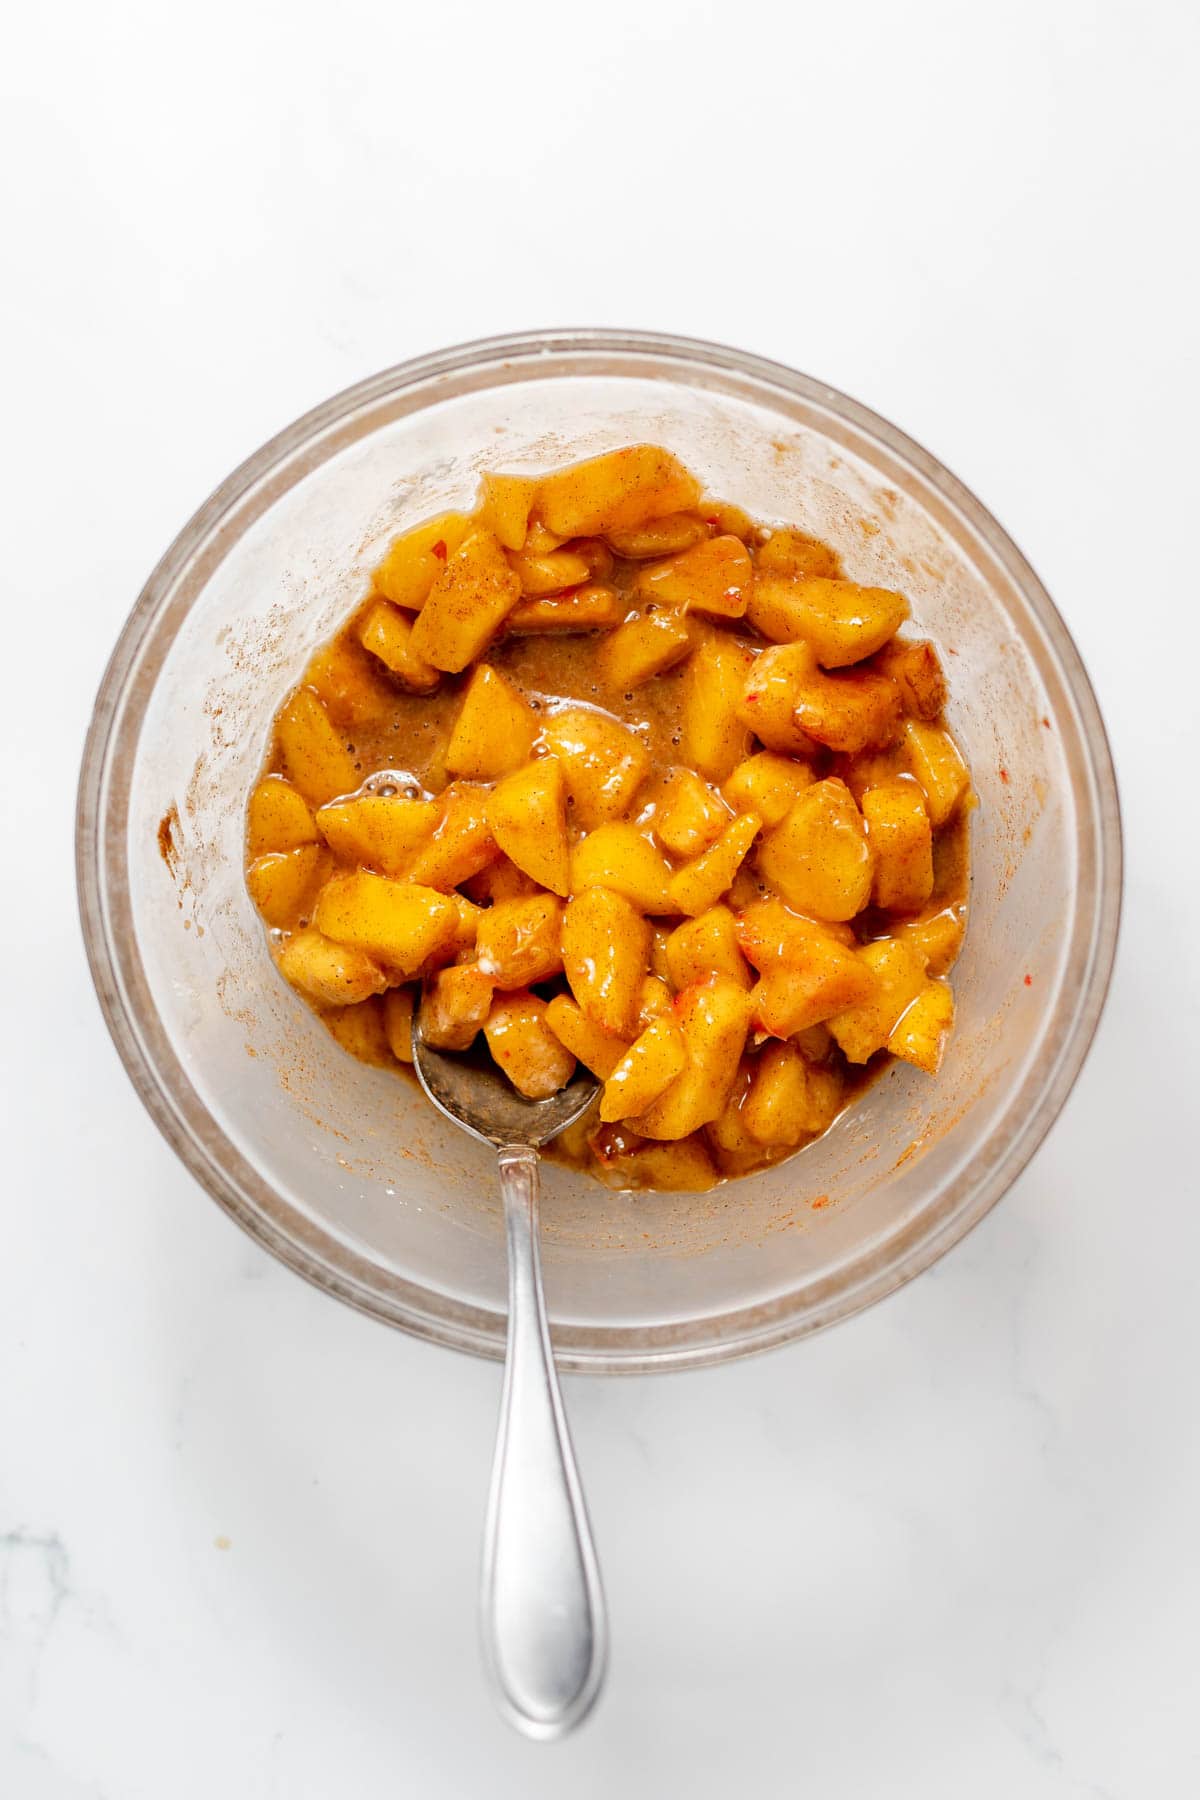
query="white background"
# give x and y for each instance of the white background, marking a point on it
(948, 1549)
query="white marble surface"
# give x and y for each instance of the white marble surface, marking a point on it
(948, 1549)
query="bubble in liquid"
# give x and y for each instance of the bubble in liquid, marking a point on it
(390, 782)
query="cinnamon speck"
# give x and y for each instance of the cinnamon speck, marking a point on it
(168, 827)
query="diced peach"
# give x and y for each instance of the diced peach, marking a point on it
(938, 766)
(684, 1167)
(659, 935)
(405, 925)
(688, 816)
(654, 997)
(646, 1070)
(592, 607)
(900, 835)
(790, 1099)
(414, 561)
(501, 880)
(398, 1005)
(747, 887)
(714, 576)
(348, 683)
(334, 974)
(387, 633)
(469, 916)
(527, 813)
(495, 729)
(615, 492)
(659, 537)
(921, 1034)
(767, 784)
(621, 857)
(915, 667)
(733, 521)
(898, 969)
(538, 540)
(284, 885)
(504, 504)
(735, 1150)
(598, 1050)
(700, 884)
(642, 647)
(384, 831)
(467, 604)
(454, 1006)
(315, 756)
(789, 702)
(603, 763)
(522, 1044)
(551, 573)
(819, 858)
(714, 737)
(704, 946)
(806, 974)
(791, 553)
(278, 818)
(842, 621)
(871, 768)
(850, 710)
(713, 1016)
(361, 1031)
(937, 936)
(767, 703)
(462, 843)
(770, 933)
(596, 554)
(606, 947)
(783, 995)
(518, 942)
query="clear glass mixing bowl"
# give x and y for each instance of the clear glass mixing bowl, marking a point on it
(345, 1172)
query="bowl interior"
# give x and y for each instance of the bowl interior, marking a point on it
(345, 1170)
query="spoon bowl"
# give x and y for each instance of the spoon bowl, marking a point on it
(471, 1090)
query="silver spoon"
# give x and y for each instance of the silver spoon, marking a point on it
(544, 1630)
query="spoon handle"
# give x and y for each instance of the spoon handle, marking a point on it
(543, 1607)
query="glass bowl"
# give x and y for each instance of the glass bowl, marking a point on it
(344, 1171)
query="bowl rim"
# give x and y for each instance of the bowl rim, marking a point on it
(202, 1147)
